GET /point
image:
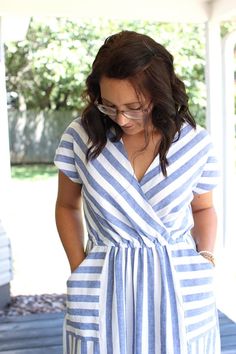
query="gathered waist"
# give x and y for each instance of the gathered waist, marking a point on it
(148, 244)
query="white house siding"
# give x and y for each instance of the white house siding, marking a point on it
(6, 271)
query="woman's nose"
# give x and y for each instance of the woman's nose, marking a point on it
(121, 119)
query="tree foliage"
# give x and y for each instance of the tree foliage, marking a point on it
(48, 69)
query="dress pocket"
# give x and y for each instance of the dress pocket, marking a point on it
(196, 280)
(83, 294)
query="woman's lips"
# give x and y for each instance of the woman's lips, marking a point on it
(127, 126)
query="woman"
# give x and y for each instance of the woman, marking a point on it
(144, 173)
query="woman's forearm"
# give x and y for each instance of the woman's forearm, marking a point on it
(70, 228)
(204, 230)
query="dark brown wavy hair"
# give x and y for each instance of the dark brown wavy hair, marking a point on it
(149, 68)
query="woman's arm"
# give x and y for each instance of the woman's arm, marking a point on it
(69, 219)
(205, 222)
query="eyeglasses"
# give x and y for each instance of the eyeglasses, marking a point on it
(131, 114)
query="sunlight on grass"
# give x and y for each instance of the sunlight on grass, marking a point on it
(33, 172)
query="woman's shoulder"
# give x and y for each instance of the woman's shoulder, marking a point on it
(75, 124)
(75, 129)
(190, 132)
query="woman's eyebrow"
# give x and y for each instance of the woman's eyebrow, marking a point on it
(125, 104)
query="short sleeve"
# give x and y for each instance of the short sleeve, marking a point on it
(209, 169)
(66, 159)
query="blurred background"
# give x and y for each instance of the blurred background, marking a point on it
(45, 75)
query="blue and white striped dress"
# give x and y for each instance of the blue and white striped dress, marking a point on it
(142, 288)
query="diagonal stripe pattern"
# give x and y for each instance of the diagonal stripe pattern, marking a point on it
(142, 288)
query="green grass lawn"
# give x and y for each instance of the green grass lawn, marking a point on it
(33, 172)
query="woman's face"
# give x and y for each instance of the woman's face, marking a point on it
(121, 95)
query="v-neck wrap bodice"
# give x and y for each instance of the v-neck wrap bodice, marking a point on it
(142, 276)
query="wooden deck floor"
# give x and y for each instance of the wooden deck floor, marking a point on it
(31, 334)
(42, 334)
(228, 334)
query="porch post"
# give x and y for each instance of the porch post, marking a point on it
(214, 117)
(5, 247)
(4, 136)
(229, 43)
